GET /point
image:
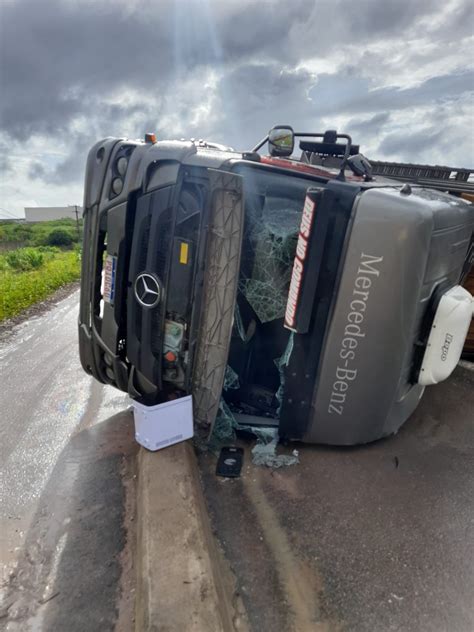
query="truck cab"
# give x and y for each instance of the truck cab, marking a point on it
(301, 292)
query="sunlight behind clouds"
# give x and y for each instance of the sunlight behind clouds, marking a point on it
(395, 74)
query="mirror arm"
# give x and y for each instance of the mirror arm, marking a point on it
(260, 144)
(347, 153)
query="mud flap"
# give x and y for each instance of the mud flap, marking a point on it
(222, 264)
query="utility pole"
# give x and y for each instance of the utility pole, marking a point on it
(77, 223)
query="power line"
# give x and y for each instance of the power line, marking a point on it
(12, 215)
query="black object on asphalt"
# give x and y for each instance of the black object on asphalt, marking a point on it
(230, 462)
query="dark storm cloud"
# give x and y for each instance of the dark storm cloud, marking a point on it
(72, 167)
(265, 86)
(72, 52)
(73, 69)
(6, 165)
(432, 139)
(291, 31)
(69, 56)
(264, 95)
(112, 120)
(457, 24)
(36, 170)
(412, 144)
(347, 92)
(371, 126)
(260, 30)
(260, 96)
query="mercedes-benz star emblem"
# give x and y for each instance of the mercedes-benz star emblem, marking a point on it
(147, 290)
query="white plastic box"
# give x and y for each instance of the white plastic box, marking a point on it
(447, 336)
(159, 426)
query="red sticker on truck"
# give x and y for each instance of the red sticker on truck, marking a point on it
(299, 262)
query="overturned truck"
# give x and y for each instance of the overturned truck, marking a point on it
(299, 292)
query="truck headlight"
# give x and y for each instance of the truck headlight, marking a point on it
(117, 186)
(121, 165)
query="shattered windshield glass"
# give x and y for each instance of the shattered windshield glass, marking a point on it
(272, 217)
(260, 346)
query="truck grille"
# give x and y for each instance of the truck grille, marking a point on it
(162, 244)
(151, 252)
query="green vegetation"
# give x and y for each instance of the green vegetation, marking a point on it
(38, 233)
(22, 259)
(59, 237)
(49, 259)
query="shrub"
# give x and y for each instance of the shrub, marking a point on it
(36, 233)
(59, 237)
(24, 259)
(20, 233)
(49, 249)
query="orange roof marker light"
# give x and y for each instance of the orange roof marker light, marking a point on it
(150, 137)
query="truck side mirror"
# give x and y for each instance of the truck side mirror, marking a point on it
(281, 140)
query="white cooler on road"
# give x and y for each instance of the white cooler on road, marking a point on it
(159, 426)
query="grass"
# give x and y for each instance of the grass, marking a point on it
(31, 274)
(38, 233)
(22, 259)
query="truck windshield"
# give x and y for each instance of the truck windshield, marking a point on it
(273, 206)
(260, 343)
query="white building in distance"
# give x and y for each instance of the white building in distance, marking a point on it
(48, 213)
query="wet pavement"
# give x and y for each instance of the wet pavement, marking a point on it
(375, 538)
(67, 462)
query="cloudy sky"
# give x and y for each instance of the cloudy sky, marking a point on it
(397, 74)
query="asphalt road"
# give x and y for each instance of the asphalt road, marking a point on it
(66, 455)
(370, 539)
(377, 538)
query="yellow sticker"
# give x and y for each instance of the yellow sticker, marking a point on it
(183, 253)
